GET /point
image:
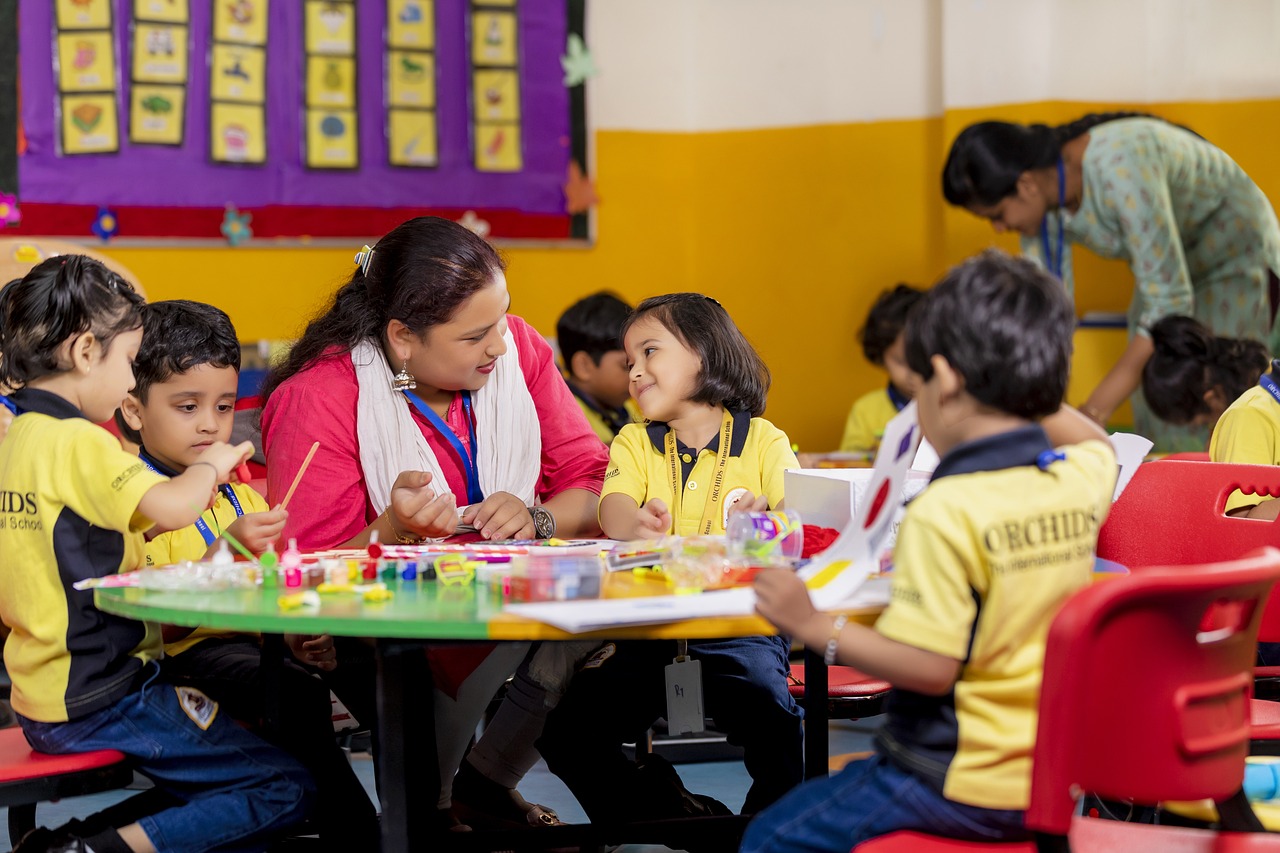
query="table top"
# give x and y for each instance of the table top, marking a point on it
(416, 610)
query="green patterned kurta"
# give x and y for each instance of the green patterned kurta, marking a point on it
(1198, 233)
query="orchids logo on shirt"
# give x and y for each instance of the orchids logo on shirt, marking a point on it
(18, 511)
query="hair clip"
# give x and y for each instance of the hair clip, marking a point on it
(364, 257)
(713, 299)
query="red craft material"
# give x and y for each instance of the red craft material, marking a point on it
(817, 539)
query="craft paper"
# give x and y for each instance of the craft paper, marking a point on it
(1130, 451)
(411, 138)
(156, 114)
(411, 23)
(238, 73)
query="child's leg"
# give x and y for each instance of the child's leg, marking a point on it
(745, 688)
(615, 696)
(239, 791)
(865, 800)
(229, 672)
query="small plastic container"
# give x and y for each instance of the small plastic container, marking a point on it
(547, 577)
(1262, 779)
(768, 538)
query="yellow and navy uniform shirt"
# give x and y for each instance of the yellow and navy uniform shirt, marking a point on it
(985, 557)
(188, 543)
(1248, 433)
(759, 453)
(606, 423)
(69, 496)
(868, 417)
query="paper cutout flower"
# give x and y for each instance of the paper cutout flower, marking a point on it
(235, 226)
(579, 191)
(106, 224)
(9, 212)
(474, 224)
(577, 62)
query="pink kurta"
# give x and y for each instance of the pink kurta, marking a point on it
(332, 505)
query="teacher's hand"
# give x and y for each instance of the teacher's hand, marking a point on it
(502, 515)
(416, 509)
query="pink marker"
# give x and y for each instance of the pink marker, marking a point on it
(291, 562)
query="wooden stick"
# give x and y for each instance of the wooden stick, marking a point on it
(298, 479)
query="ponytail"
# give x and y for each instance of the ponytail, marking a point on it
(1189, 362)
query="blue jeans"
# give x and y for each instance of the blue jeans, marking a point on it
(239, 792)
(865, 800)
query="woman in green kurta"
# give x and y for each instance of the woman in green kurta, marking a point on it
(1199, 235)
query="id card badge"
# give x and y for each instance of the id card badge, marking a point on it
(684, 696)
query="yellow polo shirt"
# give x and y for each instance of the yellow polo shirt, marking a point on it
(69, 500)
(1249, 433)
(985, 557)
(187, 543)
(759, 453)
(604, 424)
(866, 422)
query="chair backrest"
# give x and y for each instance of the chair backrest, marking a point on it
(1147, 680)
(1171, 514)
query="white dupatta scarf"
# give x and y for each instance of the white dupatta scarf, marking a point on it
(508, 435)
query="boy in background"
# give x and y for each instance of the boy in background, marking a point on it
(883, 344)
(186, 372)
(987, 537)
(589, 335)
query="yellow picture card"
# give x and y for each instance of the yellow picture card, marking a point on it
(159, 53)
(331, 139)
(240, 21)
(238, 133)
(331, 27)
(83, 14)
(411, 138)
(411, 79)
(411, 24)
(86, 61)
(497, 94)
(238, 72)
(157, 114)
(167, 11)
(90, 124)
(493, 38)
(331, 81)
(498, 148)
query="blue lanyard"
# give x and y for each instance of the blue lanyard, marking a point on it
(225, 488)
(1053, 264)
(899, 401)
(1270, 384)
(474, 494)
(10, 405)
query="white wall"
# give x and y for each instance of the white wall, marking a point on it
(708, 65)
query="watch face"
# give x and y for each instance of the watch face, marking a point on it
(543, 522)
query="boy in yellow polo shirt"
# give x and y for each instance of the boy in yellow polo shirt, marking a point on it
(882, 344)
(187, 371)
(589, 335)
(986, 555)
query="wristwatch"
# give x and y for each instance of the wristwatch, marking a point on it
(544, 523)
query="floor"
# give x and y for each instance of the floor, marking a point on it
(727, 781)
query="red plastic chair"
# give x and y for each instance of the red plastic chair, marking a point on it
(28, 778)
(1171, 513)
(1184, 730)
(851, 695)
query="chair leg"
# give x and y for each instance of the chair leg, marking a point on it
(22, 819)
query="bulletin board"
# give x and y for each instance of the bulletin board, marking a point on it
(298, 119)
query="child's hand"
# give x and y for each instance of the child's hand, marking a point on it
(224, 458)
(653, 520)
(416, 509)
(783, 599)
(256, 529)
(502, 515)
(318, 651)
(748, 502)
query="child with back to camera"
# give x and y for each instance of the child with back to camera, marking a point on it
(963, 637)
(589, 335)
(84, 679)
(187, 373)
(702, 387)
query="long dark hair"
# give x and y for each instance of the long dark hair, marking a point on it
(988, 157)
(60, 298)
(1189, 361)
(733, 374)
(420, 274)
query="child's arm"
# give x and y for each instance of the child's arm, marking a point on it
(254, 530)
(1070, 426)
(783, 599)
(181, 500)
(621, 518)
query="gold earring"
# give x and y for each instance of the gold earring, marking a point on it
(403, 381)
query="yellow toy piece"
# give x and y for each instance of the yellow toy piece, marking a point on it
(377, 595)
(334, 588)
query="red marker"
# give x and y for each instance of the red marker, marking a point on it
(243, 474)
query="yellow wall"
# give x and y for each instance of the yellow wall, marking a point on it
(795, 230)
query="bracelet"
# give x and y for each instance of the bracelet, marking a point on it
(401, 538)
(216, 474)
(837, 625)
